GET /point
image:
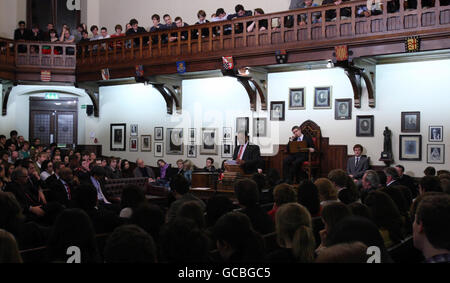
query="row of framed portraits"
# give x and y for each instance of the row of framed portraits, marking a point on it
(411, 150)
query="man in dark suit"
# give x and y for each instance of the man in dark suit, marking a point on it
(136, 29)
(391, 177)
(248, 155)
(357, 165)
(406, 180)
(62, 188)
(292, 164)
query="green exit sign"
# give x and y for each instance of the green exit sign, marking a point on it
(83, 106)
(51, 96)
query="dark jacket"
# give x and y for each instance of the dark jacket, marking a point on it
(252, 158)
(359, 170)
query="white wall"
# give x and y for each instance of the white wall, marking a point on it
(18, 115)
(11, 12)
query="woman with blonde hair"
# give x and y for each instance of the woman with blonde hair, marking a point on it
(294, 234)
(9, 252)
(188, 168)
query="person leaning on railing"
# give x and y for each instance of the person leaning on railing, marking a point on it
(372, 8)
(316, 16)
(263, 24)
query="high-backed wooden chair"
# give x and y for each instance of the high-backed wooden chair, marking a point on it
(312, 166)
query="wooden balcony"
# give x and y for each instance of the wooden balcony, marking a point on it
(306, 41)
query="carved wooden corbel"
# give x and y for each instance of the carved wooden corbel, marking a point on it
(92, 90)
(171, 90)
(7, 87)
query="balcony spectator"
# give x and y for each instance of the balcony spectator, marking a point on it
(36, 33)
(316, 16)
(372, 8)
(221, 15)
(240, 13)
(134, 30)
(46, 34)
(330, 15)
(104, 33)
(393, 6)
(156, 23)
(263, 24)
(201, 15)
(22, 34)
(53, 36)
(77, 33)
(94, 31)
(296, 4)
(179, 24)
(118, 33)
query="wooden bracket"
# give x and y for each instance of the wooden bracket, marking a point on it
(7, 87)
(92, 90)
(368, 73)
(355, 80)
(171, 90)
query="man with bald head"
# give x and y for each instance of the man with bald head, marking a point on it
(143, 171)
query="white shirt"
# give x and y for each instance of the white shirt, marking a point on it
(243, 151)
(100, 195)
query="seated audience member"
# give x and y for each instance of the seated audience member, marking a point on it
(180, 167)
(47, 170)
(308, 196)
(94, 31)
(282, 194)
(166, 172)
(135, 29)
(359, 209)
(104, 221)
(83, 172)
(183, 242)
(209, 165)
(78, 33)
(36, 33)
(63, 189)
(342, 183)
(344, 253)
(167, 26)
(73, 228)
(180, 188)
(431, 231)
(150, 218)
(358, 164)
(294, 235)
(387, 217)
(430, 171)
(112, 172)
(188, 168)
(132, 197)
(96, 179)
(46, 34)
(391, 177)
(330, 15)
(66, 36)
(397, 196)
(201, 15)
(24, 152)
(358, 229)
(406, 180)
(327, 192)
(192, 210)
(125, 170)
(118, 33)
(445, 185)
(130, 244)
(248, 155)
(265, 196)
(292, 164)
(331, 215)
(104, 33)
(143, 171)
(22, 34)
(429, 184)
(316, 16)
(370, 182)
(216, 207)
(2, 142)
(236, 240)
(246, 192)
(263, 24)
(179, 24)
(9, 251)
(13, 139)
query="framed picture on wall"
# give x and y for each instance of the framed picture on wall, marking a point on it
(209, 142)
(191, 151)
(174, 142)
(159, 133)
(410, 122)
(322, 97)
(227, 133)
(411, 147)
(192, 134)
(134, 144)
(343, 109)
(277, 111)
(242, 124)
(159, 149)
(296, 98)
(260, 127)
(117, 137)
(227, 150)
(365, 126)
(146, 143)
(436, 153)
(436, 134)
(133, 130)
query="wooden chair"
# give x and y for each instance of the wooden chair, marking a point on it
(313, 130)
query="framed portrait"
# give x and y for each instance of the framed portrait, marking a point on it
(260, 127)
(227, 132)
(117, 137)
(242, 124)
(134, 144)
(192, 151)
(411, 147)
(133, 130)
(227, 150)
(322, 97)
(436, 134)
(436, 153)
(159, 149)
(192, 135)
(159, 134)
(296, 98)
(410, 122)
(209, 142)
(277, 111)
(365, 126)
(343, 109)
(174, 142)
(146, 143)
